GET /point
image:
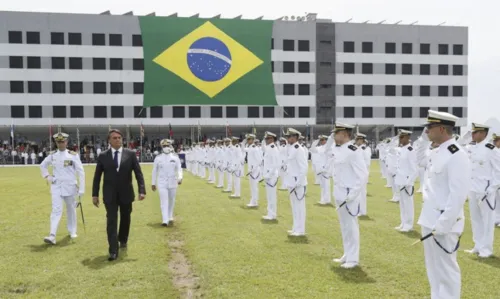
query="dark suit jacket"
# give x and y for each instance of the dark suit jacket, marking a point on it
(117, 186)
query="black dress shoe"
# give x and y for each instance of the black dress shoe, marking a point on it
(123, 245)
(112, 257)
(164, 224)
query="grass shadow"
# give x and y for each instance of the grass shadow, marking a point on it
(298, 239)
(66, 241)
(244, 207)
(40, 247)
(330, 205)
(365, 218)
(354, 275)
(265, 221)
(229, 196)
(493, 261)
(412, 234)
(369, 195)
(156, 225)
(100, 262)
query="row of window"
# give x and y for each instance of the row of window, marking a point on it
(406, 112)
(74, 63)
(407, 90)
(406, 69)
(118, 88)
(406, 48)
(157, 112)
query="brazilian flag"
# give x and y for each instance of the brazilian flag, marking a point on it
(192, 61)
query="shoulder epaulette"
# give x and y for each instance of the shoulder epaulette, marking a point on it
(410, 148)
(302, 145)
(352, 147)
(72, 152)
(453, 148)
(253, 145)
(363, 147)
(237, 145)
(490, 146)
(472, 143)
(51, 152)
(272, 145)
(296, 146)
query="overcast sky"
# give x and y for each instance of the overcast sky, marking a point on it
(479, 15)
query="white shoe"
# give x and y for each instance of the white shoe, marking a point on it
(234, 196)
(398, 227)
(268, 218)
(349, 265)
(250, 205)
(406, 230)
(73, 236)
(50, 240)
(296, 234)
(484, 256)
(340, 260)
(472, 251)
(387, 186)
(290, 232)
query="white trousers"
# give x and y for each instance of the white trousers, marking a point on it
(57, 210)
(298, 203)
(406, 208)
(271, 197)
(229, 186)
(236, 184)
(195, 168)
(220, 178)
(33, 161)
(497, 209)
(383, 169)
(211, 174)
(203, 171)
(483, 222)
(349, 226)
(395, 191)
(443, 271)
(362, 201)
(326, 195)
(254, 191)
(317, 177)
(167, 203)
(282, 179)
(421, 174)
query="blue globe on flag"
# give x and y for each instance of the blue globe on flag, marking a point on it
(209, 59)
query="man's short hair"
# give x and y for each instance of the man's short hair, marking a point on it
(114, 131)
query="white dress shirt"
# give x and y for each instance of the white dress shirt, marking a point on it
(119, 156)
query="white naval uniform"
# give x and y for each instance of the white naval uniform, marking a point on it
(228, 167)
(219, 162)
(203, 162)
(350, 175)
(322, 171)
(314, 163)
(406, 174)
(167, 172)
(33, 158)
(497, 208)
(211, 164)
(282, 149)
(392, 161)
(296, 182)
(254, 160)
(238, 168)
(367, 155)
(485, 164)
(422, 161)
(66, 165)
(270, 174)
(381, 156)
(445, 191)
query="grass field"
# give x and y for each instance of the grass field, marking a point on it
(217, 249)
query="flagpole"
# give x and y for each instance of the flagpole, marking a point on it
(199, 131)
(50, 134)
(227, 125)
(12, 137)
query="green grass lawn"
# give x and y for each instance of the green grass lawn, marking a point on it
(232, 253)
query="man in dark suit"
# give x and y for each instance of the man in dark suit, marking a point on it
(117, 165)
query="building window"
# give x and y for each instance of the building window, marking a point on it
(57, 38)
(458, 111)
(425, 91)
(272, 43)
(117, 112)
(407, 69)
(304, 112)
(303, 45)
(75, 87)
(367, 68)
(32, 37)
(15, 37)
(58, 63)
(268, 112)
(443, 49)
(458, 91)
(16, 62)
(59, 111)
(367, 47)
(425, 49)
(99, 63)
(390, 90)
(76, 111)
(231, 112)
(367, 112)
(304, 90)
(367, 90)
(349, 47)
(390, 69)
(458, 49)
(116, 87)
(58, 87)
(349, 90)
(179, 112)
(348, 112)
(443, 69)
(138, 88)
(458, 70)
(100, 112)
(115, 39)
(272, 66)
(138, 64)
(194, 112)
(100, 87)
(288, 45)
(390, 112)
(407, 112)
(349, 68)
(303, 67)
(289, 112)
(288, 67)
(17, 111)
(390, 48)
(34, 87)
(443, 91)
(407, 90)
(35, 111)
(424, 112)
(34, 62)
(253, 112)
(216, 112)
(289, 89)
(156, 112)
(98, 39)
(327, 64)
(425, 69)
(140, 112)
(75, 63)
(74, 38)
(136, 40)
(407, 48)
(116, 64)
(443, 109)
(16, 87)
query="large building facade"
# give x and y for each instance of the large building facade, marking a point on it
(79, 70)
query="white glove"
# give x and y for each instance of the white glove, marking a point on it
(81, 193)
(49, 179)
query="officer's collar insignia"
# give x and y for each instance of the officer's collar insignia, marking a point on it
(490, 146)
(296, 146)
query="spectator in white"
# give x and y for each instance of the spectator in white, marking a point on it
(98, 150)
(33, 158)
(92, 155)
